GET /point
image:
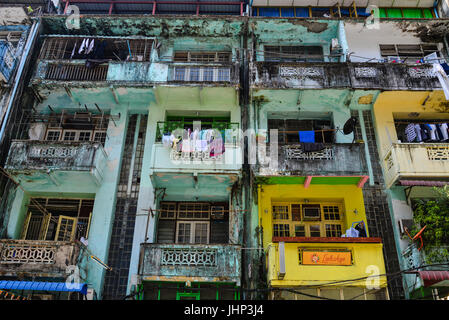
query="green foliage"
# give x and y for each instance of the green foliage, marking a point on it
(434, 214)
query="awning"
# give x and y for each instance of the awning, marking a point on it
(44, 286)
(425, 183)
(435, 278)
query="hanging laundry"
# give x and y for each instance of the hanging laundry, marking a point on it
(306, 136)
(444, 133)
(82, 46)
(418, 133)
(439, 133)
(90, 47)
(410, 133)
(443, 78)
(73, 51)
(425, 132)
(433, 130)
(166, 140)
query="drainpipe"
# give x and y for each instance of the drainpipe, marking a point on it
(19, 75)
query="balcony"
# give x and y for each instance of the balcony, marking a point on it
(413, 260)
(336, 159)
(37, 258)
(388, 76)
(289, 262)
(416, 160)
(205, 263)
(56, 163)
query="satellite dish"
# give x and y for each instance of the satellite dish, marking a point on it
(349, 125)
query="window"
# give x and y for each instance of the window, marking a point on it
(281, 230)
(293, 53)
(300, 231)
(193, 222)
(408, 52)
(315, 230)
(203, 57)
(193, 232)
(53, 135)
(76, 135)
(69, 135)
(333, 230)
(307, 219)
(62, 219)
(280, 212)
(168, 210)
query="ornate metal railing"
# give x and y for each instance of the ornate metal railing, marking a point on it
(194, 156)
(62, 155)
(189, 257)
(205, 261)
(27, 252)
(391, 76)
(296, 152)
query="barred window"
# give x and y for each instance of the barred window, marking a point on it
(280, 213)
(333, 230)
(331, 213)
(281, 230)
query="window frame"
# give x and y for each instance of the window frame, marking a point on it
(193, 226)
(322, 222)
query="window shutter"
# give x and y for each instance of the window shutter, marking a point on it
(44, 227)
(25, 226)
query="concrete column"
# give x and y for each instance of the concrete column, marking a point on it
(105, 199)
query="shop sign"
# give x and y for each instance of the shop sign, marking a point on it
(330, 258)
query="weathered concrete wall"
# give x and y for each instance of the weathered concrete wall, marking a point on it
(225, 266)
(364, 42)
(63, 254)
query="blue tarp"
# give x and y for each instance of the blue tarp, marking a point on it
(43, 286)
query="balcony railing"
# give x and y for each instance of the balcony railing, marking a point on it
(416, 160)
(333, 159)
(205, 262)
(390, 76)
(76, 72)
(37, 257)
(63, 155)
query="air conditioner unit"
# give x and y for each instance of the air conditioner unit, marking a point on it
(311, 213)
(40, 297)
(217, 212)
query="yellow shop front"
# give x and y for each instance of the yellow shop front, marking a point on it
(317, 244)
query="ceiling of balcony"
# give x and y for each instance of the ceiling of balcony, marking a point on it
(344, 3)
(222, 7)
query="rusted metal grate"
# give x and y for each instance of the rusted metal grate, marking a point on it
(76, 72)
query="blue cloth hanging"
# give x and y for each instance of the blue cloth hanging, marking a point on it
(307, 136)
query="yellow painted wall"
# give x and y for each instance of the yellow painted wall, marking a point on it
(364, 254)
(350, 195)
(401, 104)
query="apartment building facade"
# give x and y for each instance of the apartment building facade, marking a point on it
(225, 150)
